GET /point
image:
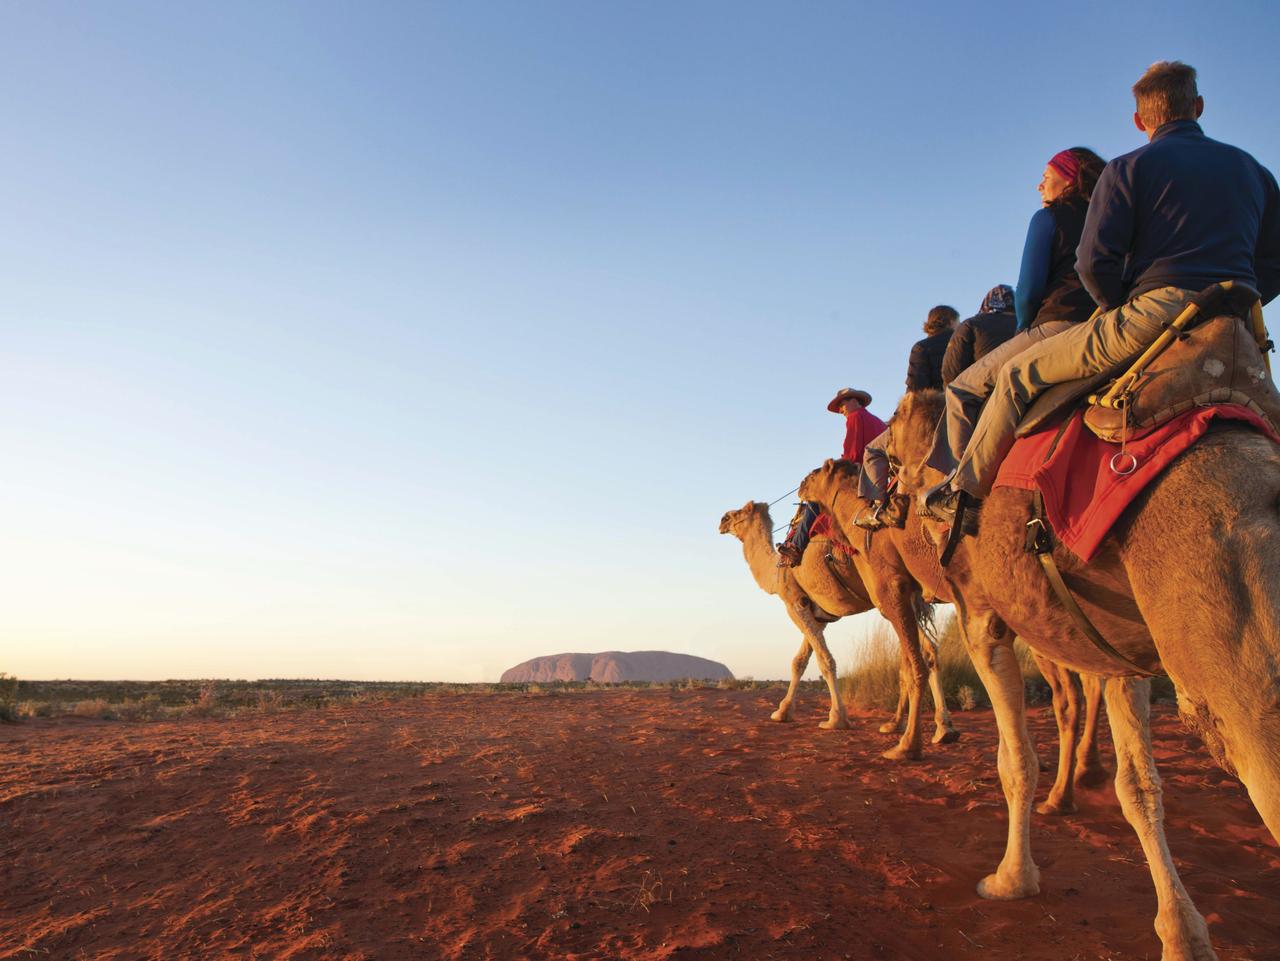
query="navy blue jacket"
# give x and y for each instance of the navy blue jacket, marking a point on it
(1182, 211)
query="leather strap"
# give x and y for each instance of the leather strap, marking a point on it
(1040, 542)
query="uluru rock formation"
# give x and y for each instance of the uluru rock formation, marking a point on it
(615, 667)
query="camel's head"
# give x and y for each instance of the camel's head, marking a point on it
(911, 432)
(822, 483)
(736, 522)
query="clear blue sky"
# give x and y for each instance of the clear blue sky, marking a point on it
(412, 340)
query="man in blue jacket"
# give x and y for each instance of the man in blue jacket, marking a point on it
(1165, 221)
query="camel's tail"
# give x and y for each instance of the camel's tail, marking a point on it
(924, 618)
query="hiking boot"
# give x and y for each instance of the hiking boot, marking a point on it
(788, 555)
(942, 502)
(895, 512)
(870, 519)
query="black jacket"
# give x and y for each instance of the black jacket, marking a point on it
(974, 339)
(924, 370)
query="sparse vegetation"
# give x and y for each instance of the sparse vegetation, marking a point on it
(158, 700)
(871, 684)
(8, 698)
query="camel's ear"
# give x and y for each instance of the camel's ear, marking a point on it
(749, 506)
(828, 463)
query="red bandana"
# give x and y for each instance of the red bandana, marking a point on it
(1066, 164)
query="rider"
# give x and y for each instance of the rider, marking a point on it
(974, 338)
(1166, 221)
(971, 340)
(860, 426)
(1049, 298)
(924, 367)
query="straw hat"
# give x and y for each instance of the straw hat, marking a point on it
(861, 396)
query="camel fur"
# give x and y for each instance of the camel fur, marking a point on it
(1188, 583)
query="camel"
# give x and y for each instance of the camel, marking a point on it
(1188, 583)
(817, 585)
(908, 552)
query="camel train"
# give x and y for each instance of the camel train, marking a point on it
(1183, 582)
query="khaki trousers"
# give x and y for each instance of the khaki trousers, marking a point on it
(969, 391)
(873, 480)
(1106, 343)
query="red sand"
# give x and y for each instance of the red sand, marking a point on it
(617, 824)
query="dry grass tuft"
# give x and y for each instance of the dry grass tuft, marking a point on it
(871, 684)
(8, 698)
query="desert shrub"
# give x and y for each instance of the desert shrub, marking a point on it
(8, 698)
(93, 708)
(871, 683)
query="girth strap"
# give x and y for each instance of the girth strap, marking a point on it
(1040, 542)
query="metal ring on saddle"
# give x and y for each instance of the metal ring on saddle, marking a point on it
(1133, 465)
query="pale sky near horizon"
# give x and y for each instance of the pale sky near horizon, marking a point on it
(412, 340)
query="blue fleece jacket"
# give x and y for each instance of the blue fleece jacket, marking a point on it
(1181, 211)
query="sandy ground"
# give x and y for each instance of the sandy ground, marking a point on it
(616, 824)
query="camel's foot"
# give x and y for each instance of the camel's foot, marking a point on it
(782, 714)
(946, 735)
(1011, 885)
(1055, 807)
(840, 723)
(1092, 776)
(1184, 936)
(903, 752)
(890, 727)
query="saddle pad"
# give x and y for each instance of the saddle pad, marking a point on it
(824, 526)
(1083, 496)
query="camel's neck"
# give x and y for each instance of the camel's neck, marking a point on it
(757, 547)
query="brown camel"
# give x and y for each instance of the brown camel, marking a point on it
(1188, 583)
(894, 555)
(820, 590)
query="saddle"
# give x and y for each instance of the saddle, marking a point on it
(1211, 353)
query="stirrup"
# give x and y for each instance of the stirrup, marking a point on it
(872, 522)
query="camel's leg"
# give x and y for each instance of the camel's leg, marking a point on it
(798, 665)
(813, 630)
(1066, 711)
(899, 723)
(990, 645)
(896, 606)
(1090, 771)
(944, 731)
(1181, 928)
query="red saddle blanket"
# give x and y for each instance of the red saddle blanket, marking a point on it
(1083, 495)
(824, 526)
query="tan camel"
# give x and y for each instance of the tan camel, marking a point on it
(896, 555)
(821, 585)
(813, 593)
(1188, 583)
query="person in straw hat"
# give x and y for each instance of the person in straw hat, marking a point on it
(860, 427)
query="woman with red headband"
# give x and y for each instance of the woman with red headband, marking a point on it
(1048, 300)
(1049, 289)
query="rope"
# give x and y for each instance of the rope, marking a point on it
(787, 494)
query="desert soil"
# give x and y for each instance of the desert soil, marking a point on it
(613, 824)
